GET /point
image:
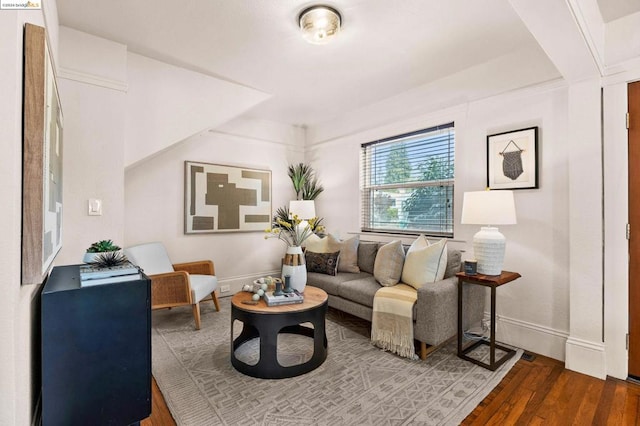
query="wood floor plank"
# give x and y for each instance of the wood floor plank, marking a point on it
(544, 384)
(617, 404)
(604, 404)
(586, 411)
(632, 405)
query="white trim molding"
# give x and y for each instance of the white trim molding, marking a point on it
(529, 336)
(83, 77)
(586, 357)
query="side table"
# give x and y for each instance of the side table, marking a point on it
(493, 282)
(266, 322)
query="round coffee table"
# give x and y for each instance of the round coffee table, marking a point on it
(266, 322)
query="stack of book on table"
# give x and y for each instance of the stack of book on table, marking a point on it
(91, 274)
(285, 299)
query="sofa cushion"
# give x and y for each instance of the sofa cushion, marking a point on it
(424, 263)
(331, 284)
(349, 255)
(387, 268)
(360, 290)
(324, 263)
(367, 251)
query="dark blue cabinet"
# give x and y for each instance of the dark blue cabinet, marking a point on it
(96, 351)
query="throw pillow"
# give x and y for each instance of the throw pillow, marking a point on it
(425, 263)
(324, 263)
(387, 268)
(315, 244)
(367, 255)
(349, 255)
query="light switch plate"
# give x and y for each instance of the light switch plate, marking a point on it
(95, 207)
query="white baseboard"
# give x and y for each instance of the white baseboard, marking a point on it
(235, 283)
(578, 355)
(586, 357)
(531, 337)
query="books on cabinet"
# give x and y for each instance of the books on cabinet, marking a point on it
(91, 274)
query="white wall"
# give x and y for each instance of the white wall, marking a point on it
(19, 306)
(534, 310)
(93, 104)
(154, 197)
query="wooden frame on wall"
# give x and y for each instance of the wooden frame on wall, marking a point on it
(220, 198)
(42, 160)
(512, 159)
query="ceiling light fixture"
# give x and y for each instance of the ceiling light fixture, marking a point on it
(319, 23)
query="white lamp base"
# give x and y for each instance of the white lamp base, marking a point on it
(488, 248)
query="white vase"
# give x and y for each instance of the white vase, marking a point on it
(294, 267)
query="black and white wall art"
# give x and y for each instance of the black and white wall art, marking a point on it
(512, 159)
(221, 198)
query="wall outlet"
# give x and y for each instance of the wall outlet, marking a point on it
(224, 289)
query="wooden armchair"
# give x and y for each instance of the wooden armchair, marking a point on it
(175, 284)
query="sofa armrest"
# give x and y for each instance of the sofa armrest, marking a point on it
(437, 310)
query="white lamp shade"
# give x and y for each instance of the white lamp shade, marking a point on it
(488, 208)
(304, 209)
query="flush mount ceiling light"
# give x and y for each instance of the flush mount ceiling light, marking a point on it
(319, 23)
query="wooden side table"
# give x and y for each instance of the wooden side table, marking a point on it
(493, 282)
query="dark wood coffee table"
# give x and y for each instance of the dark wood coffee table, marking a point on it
(267, 322)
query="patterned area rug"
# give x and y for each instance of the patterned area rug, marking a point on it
(358, 384)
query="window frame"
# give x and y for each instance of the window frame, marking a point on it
(367, 190)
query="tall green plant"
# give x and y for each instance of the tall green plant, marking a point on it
(305, 181)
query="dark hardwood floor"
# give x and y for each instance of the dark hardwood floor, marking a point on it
(534, 392)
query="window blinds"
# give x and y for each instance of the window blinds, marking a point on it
(407, 183)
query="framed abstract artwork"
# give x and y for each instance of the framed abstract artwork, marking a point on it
(219, 198)
(42, 160)
(512, 159)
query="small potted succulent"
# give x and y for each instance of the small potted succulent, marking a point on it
(104, 252)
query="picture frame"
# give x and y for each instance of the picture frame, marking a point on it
(42, 160)
(512, 159)
(224, 198)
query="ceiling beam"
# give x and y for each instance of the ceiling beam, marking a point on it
(562, 30)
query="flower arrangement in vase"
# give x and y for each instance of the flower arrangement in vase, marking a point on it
(293, 233)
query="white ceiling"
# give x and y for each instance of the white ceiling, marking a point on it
(386, 46)
(615, 9)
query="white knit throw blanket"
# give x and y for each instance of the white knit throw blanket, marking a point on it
(392, 322)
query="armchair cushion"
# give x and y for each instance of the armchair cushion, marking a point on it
(151, 257)
(202, 286)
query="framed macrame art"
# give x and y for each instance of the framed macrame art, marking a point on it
(512, 159)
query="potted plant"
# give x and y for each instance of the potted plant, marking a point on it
(98, 249)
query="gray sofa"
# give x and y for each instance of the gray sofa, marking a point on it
(435, 312)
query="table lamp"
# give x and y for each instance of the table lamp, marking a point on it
(304, 209)
(489, 208)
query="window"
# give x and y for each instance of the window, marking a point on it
(407, 183)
